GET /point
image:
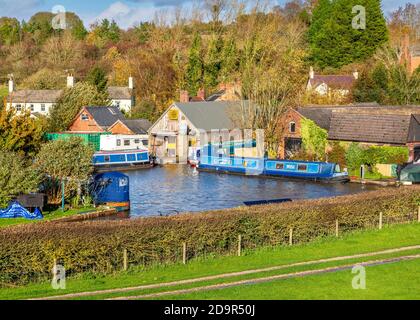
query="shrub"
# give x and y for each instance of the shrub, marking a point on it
(27, 252)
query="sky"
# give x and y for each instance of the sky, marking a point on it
(125, 12)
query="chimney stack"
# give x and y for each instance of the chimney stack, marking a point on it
(70, 81)
(11, 84)
(184, 96)
(131, 83)
(311, 73)
(201, 94)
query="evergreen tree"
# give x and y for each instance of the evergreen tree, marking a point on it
(229, 65)
(213, 63)
(333, 40)
(97, 77)
(195, 68)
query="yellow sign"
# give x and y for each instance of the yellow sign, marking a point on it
(173, 114)
(171, 145)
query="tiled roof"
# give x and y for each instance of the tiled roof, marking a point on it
(374, 128)
(333, 81)
(212, 115)
(105, 116)
(138, 126)
(321, 116)
(35, 96)
(120, 93)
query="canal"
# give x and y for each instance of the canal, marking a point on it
(178, 188)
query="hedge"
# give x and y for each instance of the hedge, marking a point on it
(27, 252)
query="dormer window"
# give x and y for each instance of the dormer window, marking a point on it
(84, 117)
(292, 127)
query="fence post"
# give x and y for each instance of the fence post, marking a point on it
(184, 253)
(380, 220)
(239, 245)
(336, 227)
(125, 260)
(291, 236)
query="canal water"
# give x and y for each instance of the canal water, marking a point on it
(175, 189)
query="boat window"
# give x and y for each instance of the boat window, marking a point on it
(279, 166)
(292, 127)
(337, 168)
(118, 142)
(107, 159)
(126, 142)
(302, 167)
(145, 142)
(136, 141)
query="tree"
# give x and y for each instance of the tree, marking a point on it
(64, 160)
(230, 61)
(97, 77)
(213, 63)
(71, 102)
(194, 76)
(16, 177)
(10, 31)
(144, 110)
(45, 79)
(20, 133)
(335, 42)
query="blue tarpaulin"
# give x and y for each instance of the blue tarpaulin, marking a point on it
(15, 210)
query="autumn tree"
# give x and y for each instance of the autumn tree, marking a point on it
(45, 79)
(20, 133)
(71, 102)
(17, 176)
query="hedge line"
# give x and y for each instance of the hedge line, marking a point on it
(27, 252)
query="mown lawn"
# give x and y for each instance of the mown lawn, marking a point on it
(354, 243)
(48, 216)
(398, 280)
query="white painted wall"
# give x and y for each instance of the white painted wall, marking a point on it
(41, 108)
(119, 142)
(123, 104)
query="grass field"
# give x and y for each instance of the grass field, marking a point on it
(48, 216)
(334, 285)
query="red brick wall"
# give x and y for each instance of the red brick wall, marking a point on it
(89, 125)
(284, 129)
(120, 128)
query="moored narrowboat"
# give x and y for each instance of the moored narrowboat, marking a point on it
(122, 160)
(317, 171)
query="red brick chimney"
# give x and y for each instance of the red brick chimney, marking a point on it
(184, 96)
(201, 94)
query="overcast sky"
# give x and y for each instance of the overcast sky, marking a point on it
(125, 12)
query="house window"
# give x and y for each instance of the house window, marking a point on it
(118, 142)
(126, 142)
(42, 107)
(292, 127)
(18, 107)
(84, 117)
(32, 108)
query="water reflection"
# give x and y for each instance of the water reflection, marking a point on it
(174, 189)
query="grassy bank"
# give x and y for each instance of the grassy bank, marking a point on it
(97, 247)
(49, 215)
(352, 243)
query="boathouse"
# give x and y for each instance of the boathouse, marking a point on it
(179, 127)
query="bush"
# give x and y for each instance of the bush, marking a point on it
(27, 252)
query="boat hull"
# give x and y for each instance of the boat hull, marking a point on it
(319, 175)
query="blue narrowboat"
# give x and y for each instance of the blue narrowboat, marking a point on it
(317, 171)
(122, 160)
